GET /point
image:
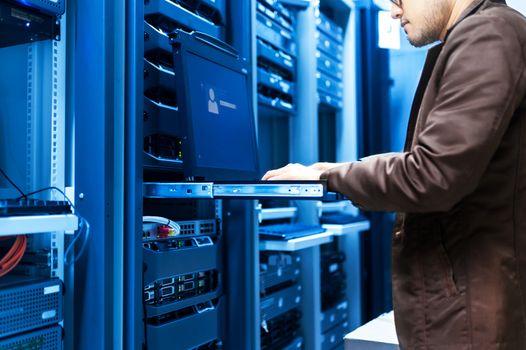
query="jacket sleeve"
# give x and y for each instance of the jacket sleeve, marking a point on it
(481, 87)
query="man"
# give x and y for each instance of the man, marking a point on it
(459, 244)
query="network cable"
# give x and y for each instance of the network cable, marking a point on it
(22, 242)
(12, 182)
(173, 227)
(83, 226)
(13, 256)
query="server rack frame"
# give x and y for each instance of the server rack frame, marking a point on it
(36, 156)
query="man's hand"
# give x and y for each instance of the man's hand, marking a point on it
(294, 172)
(324, 166)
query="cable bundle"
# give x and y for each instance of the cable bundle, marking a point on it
(13, 255)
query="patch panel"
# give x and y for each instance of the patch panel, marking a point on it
(187, 228)
(198, 227)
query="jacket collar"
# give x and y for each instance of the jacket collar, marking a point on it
(475, 5)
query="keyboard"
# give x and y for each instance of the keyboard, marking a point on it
(288, 231)
(341, 219)
(28, 206)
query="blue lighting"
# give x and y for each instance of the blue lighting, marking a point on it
(28, 24)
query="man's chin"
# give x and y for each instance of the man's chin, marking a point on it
(419, 41)
(415, 43)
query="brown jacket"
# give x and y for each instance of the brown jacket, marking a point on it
(459, 251)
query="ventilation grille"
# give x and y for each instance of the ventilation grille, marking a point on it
(43, 339)
(48, 6)
(30, 306)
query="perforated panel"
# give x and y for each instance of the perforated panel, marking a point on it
(30, 306)
(29, 118)
(43, 339)
(52, 7)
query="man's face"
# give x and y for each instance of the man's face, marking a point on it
(423, 20)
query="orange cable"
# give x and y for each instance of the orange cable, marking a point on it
(11, 259)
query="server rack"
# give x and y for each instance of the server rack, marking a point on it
(281, 119)
(284, 76)
(341, 305)
(183, 276)
(330, 116)
(34, 237)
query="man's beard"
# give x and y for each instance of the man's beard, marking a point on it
(434, 21)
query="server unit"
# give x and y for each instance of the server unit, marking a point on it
(280, 317)
(333, 339)
(278, 268)
(28, 304)
(48, 7)
(25, 24)
(282, 332)
(43, 338)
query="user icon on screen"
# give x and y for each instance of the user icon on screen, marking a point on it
(212, 104)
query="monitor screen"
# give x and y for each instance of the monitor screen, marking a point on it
(223, 132)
